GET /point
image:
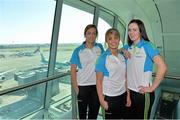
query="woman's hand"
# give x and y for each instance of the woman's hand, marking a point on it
(77, 90)
(126, 53)
(143, 89)
(104, 104)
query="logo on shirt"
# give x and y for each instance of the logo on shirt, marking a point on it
(136, 52)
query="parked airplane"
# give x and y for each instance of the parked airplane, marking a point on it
(59, 65)
(26, 53)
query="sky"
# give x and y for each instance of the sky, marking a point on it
(31, 21)
(25, 21)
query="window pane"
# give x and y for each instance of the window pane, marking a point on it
(104, 23)
(20, 103)
(26, 27)
(71, 34)
(25, 36)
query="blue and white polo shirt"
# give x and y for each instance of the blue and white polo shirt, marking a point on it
(85, 59)
(114, 71)
(140, 65)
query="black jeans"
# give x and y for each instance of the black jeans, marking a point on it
(137, 109)
(116, 107)
(88, 102)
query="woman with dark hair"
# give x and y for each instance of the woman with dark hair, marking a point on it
(84, 79)
(139, 70)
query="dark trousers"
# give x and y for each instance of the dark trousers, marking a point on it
(138, 109)
(88, 102)
(116, 107)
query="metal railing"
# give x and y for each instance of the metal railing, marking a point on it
(27, 85)
(169, 76)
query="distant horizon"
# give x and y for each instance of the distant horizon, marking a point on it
(33, 23)
(35, 44)
(31, 45)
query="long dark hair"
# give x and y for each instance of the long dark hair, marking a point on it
(88, 27)
(141, 29)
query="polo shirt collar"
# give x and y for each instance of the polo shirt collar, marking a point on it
(83, 46)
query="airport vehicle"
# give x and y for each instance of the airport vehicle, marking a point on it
(36, 92)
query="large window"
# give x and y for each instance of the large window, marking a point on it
(71, 34)
(25, 36)
(25, 39)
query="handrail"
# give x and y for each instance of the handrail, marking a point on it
(169, 76)
(50, 78)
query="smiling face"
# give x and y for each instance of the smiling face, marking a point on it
(134, 32)
(112, 41)
(112, 38)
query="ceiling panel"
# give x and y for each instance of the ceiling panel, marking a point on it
(170, 14)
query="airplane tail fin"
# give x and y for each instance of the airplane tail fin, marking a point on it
(37, 50)
(43, 58)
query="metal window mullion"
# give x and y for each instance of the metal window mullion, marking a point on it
(96, 16)
(52, 56)
(115, 22)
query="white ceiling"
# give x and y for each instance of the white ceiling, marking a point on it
(162, 21)
(127, 9)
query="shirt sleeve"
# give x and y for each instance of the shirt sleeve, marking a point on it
(102, 49)
(151, 50)
(100, 65)
(126, 47)
(75, 58)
